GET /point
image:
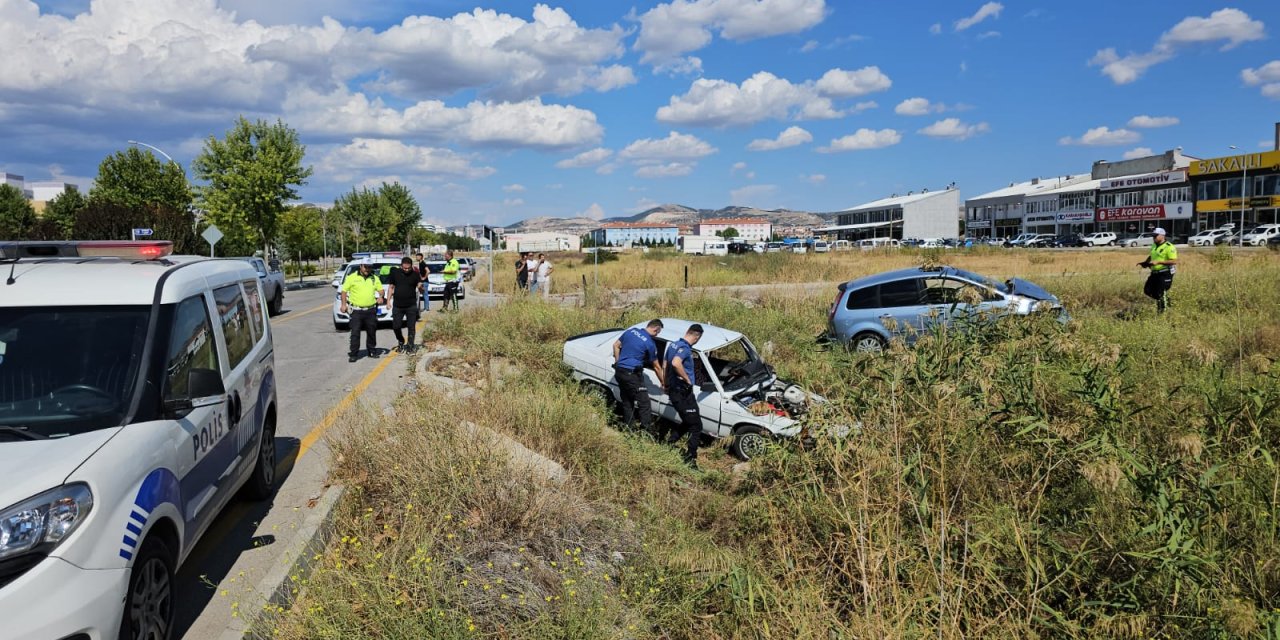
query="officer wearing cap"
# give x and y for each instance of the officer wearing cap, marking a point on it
(1162, 261)
(681, 379)
(361, 295)
(632, 352)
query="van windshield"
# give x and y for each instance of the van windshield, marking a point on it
(67, 370)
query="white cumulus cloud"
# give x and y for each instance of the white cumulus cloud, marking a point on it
(1232, 27)
(668, 170)
(594, 212)
(513, 188)
(676, 146)
(1152, 122)
(816, 178)
(586, 159)
(954, 129)
(512, 202)
(1101, 137)
(935, 28)
(672, 29)
(918, 107)
(720, 103)
(863, 139)
(1267, 77)
(1137, 152)
(365, 156)
(988, 10)
(790, 137)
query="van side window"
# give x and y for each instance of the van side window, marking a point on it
(253, 298)
(235, 323)
(191, 346)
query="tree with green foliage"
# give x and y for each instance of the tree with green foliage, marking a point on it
(729, 232)
(405, 207)
(100, 220)
(61, 212)
(17, 217)
(371, 220)
(250, 174)
(136, 179)
(300, 232)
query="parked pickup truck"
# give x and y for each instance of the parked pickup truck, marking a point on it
(272, 284)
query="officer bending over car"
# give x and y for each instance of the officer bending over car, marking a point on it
(632, 352)
(361, 295)
(680, 383)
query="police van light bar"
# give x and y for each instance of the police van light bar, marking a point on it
(149, 250)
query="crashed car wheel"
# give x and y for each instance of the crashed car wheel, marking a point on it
(599, 391)
(867, 342)
(749, 441)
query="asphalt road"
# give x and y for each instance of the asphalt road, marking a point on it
(315, 384)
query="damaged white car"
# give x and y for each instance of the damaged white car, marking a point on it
(740, 397)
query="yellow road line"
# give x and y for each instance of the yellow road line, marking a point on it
(299, 314)
(330, 418)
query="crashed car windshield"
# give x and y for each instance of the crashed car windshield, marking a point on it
(737, 365)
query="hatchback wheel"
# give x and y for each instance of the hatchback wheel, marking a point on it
(867, 342)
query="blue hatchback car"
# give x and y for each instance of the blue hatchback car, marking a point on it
(869, 312)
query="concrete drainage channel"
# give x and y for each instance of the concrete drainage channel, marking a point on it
(277, 588)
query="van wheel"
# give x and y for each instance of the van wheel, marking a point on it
(262, 484)
(1111, 244)
(749, 441)
(276, 305)
(867, 342)
(148, 604)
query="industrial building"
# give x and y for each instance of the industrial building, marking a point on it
(928, 214)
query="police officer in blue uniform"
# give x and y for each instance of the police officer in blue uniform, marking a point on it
(632, 352)
(681, 379)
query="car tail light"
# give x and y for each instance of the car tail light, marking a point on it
(121, 249)
(831, 313)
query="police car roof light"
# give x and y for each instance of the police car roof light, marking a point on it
(149, 250)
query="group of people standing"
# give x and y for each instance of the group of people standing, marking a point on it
(533, 274)
(362, 293)
(636, 350)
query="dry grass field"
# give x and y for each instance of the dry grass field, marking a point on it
(1116, 478)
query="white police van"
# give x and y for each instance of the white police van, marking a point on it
(137, 396)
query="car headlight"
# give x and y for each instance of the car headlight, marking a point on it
(45, 520)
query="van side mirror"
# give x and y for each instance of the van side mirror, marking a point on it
(204, 383)
(201, 383)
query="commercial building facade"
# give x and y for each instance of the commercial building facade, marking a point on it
(749, 229)
(624, 234)
(928, 214)
(1000, 213)
(1243, 190)
(543, 241)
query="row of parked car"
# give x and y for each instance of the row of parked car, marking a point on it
(1256, 237)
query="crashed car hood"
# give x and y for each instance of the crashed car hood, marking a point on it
(1026, 289)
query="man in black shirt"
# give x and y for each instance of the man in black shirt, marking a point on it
(423, 271)
(405, 285)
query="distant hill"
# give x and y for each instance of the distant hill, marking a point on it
(673, 214)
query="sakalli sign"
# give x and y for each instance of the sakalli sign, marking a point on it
(1269, 160)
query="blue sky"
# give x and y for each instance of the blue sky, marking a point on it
(509, 110)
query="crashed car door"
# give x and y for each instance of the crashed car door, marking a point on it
(658, 399)
(710, 396)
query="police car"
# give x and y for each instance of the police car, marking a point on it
(435, 280)
(137, 397)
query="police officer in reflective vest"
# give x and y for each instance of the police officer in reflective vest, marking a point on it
(681, 381)
(1162, 261)
(361, 295)
(450, 271)
(632, 352)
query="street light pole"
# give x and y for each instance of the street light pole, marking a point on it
(1244, 194)
(157, 150)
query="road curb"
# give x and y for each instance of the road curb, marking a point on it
(276, 589)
